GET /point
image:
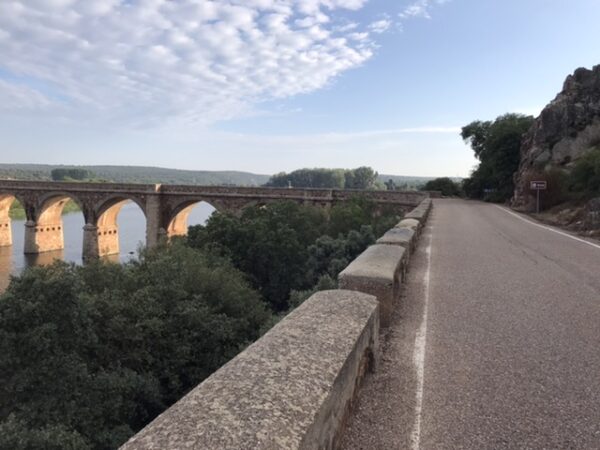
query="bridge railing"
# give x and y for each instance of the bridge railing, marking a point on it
(295, 387)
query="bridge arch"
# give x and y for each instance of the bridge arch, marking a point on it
(178, 222)
(102, 233)
(6, 202)
(44, 231)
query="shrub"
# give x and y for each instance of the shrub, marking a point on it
(92, 354)
(585, 176)
(445, 185)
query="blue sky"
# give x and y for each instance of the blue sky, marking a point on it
(273, 85)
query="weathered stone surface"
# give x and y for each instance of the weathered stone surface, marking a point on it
(592, 215)
(404, 237)
(566, 129)
(378, 271)
(5, 229)
(417, 214)
(421, 212)
(291, 389)
(411, 224)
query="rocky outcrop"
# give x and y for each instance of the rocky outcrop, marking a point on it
(592, 215)
(566, 129)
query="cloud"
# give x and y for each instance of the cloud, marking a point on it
(380, 26)
(149, 62)
(421, 8)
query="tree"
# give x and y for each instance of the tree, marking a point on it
(91, 354)
(70, 174)
(273, 244)
(445, 185)
(269, 244)
(497, 145)
(309, 178)
(361, 178)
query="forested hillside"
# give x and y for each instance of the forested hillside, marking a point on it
(137, 174)
(140, 174)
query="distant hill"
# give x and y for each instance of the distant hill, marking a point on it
(137, 174)
(150, 175)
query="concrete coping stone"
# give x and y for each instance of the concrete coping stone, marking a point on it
(378, 262)
(413, 224)
(417, 214)
(291, 389)
(405, 237)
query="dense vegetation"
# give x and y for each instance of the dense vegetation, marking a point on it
(497, 146)
(585, 176)
(91, 354)
(360, 178)
(445, 185)
(286, 247)
(75, 174)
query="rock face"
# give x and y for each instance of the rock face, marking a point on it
(565, 130)
(592, 215)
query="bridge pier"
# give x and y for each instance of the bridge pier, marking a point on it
(90, 242)
(41, 238)
(5, 233)
(5, 222)
(154, 232)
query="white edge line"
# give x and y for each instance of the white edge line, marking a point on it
(419, 355)
(562, 233)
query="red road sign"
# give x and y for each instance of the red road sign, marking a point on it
(538, 185)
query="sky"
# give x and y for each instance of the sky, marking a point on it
(276, 85)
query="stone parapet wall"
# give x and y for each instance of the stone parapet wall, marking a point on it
(378, 271)
(294, 387)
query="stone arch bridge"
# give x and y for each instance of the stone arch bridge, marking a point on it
(166, 208)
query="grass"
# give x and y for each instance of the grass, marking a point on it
(17, 212)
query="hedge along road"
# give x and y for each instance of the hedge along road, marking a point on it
(505, 351)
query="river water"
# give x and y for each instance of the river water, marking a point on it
(132, 234)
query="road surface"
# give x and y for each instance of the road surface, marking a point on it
(496, 343)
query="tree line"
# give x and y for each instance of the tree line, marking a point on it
(359, 178)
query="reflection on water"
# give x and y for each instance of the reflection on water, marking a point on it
(132, 235)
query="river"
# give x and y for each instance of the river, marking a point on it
(132, 234)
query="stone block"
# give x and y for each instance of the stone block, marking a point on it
(411, 224)
(378, 271)
(404, 237)
(292, 389)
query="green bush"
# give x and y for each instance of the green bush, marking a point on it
(274, 245)
(585, 176)
(92, 354)
(445, 185)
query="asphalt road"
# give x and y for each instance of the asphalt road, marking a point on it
(496, 344)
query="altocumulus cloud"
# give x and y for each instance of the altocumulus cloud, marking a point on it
(143, 62)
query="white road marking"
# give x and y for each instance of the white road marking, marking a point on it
(531, 222)
(419, 355)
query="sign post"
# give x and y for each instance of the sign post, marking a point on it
(538, 186)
